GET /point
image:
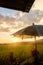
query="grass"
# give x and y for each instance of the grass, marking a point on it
(19, 51)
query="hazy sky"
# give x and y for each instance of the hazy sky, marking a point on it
(12, 20)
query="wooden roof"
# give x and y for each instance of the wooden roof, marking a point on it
(22, 5)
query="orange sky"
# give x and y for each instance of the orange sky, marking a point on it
(6, 29)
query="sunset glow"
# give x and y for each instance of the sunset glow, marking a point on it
(32, 39)
(18, 39)
(12, 21)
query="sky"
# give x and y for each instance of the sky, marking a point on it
(12, 20)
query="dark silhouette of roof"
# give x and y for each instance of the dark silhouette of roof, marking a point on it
(22, 5)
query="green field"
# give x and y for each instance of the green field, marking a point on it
(19, 51)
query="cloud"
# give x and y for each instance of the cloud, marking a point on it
(13, 19)
(9, 22)
(6, 18)
(4, 30)
(32, 16)
(38, 5)
(19, 20)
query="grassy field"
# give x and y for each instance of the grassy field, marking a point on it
(19, 51)
(6, 48)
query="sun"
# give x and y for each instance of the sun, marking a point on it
(19, 39)
(16, 39)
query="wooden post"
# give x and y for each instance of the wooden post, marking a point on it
(35, 43)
